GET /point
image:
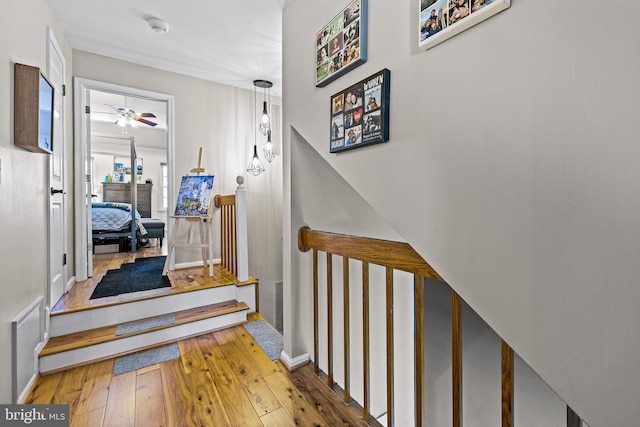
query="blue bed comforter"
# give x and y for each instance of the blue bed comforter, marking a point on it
(114, 217)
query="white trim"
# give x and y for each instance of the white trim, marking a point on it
(27, 332)
(296, 362)
(247, 295)
(80, 131)
(194, 264)
(70, 283)
(242, 240)
(98, 317)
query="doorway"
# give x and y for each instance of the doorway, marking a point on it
(104, 127)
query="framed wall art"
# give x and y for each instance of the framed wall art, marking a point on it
(194, 196)
(33, 110)
(440, 20)
(360, 113)
(341, 45)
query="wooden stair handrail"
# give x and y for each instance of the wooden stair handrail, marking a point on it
(393, 256)
(396, 255)
(220, 201)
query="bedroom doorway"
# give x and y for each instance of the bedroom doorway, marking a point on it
(104, 126)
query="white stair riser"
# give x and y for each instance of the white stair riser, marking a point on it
(247, 295)
(136, 310)
(138, 342)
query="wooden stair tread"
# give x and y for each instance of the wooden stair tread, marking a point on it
(91, 337)
(191, 279)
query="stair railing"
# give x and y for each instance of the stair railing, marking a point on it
(392, 256)
(233, 232)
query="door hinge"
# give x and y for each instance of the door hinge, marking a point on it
(87, 109)
(64, 90)
(64, 259)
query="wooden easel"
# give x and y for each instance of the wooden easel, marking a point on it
(205, 224)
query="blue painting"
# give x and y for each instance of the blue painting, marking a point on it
(195, 196)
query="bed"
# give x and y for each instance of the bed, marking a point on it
(111, 221)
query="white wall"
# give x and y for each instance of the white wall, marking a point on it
(512, 168)
(535, 404)
(218, 118)
(24, 181)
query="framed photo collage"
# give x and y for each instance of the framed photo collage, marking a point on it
(360, 113)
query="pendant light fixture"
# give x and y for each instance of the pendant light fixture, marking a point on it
(255, 167)
(265, 120)
(268, 150)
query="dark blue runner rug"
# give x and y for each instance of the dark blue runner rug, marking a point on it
(142, 275)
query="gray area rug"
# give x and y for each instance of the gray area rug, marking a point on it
(148, 358)
(268, 338)
(145, 324)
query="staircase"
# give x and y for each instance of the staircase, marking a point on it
(196, 303)
(105, 331)
(391, 335)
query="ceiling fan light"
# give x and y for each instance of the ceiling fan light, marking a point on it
(121, 122)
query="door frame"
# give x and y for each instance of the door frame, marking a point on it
(82, 132)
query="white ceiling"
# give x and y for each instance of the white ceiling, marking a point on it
(232, 42)
(104, 129)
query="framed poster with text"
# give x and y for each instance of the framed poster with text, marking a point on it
(360, 114)
(341, 45)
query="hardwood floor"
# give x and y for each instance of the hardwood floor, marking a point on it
(222, 378)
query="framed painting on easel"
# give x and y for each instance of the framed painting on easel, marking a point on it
(194, 196)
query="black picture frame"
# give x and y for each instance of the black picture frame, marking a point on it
(360, 114)
(341, 45)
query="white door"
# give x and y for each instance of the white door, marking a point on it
(57, 256)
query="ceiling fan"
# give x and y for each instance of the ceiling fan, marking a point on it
(130, 117)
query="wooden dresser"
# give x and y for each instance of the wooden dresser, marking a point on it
(121, 192)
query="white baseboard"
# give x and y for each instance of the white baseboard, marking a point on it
(294, 363)
(70, 283)
(194, 264)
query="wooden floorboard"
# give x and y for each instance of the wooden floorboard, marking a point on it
(222, 378)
